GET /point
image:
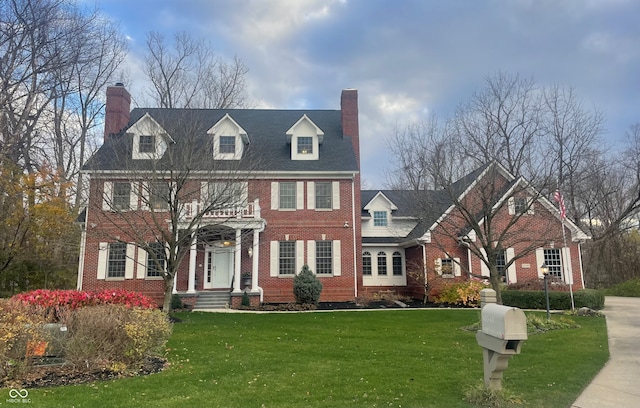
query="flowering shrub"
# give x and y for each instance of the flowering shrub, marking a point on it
(58, 301)
(460, 293)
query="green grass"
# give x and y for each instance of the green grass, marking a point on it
(343, 359)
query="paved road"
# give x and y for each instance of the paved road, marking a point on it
(617, 385)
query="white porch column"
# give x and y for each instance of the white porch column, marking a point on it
(255, 260)
(236, 266)
(193, 251)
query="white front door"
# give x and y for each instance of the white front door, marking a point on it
(218, 268)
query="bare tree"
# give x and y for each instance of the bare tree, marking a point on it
(426, 156)
(503, 122)
(189, 74)
(171, 207)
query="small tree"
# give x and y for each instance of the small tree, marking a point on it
(306, 287)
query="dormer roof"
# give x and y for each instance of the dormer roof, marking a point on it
(305, 119)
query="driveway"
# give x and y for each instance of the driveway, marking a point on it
(617, 385)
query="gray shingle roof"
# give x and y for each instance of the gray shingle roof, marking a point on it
(268, 149)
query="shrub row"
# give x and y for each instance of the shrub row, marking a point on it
(75, 299)
(524, 299)
(19, 325)
(630, 288)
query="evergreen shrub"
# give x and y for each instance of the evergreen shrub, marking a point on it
(307, 287)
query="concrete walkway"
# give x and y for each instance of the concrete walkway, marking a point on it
(618, 383)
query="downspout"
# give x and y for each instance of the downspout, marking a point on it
(424, 269)
(83, 245)
(353, 227)
(580, 259)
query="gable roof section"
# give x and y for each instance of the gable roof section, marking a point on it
(265, 128)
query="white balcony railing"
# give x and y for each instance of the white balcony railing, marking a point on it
(196, 208)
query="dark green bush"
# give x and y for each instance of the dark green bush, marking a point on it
(525, 299)
(246, 302)
(176, 302)
(630, 288)
(306, 287)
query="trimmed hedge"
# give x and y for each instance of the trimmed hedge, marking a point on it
(525, 299)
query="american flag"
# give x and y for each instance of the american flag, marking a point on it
(558, 199)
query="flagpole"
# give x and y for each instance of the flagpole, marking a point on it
(558, 197)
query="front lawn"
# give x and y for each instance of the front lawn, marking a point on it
(412, 358)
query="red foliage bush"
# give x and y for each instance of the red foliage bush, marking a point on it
(74, 299)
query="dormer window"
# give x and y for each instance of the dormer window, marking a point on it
(227, 144)
(305, 138)
(147, 144)
(305, 145)
(229, 139)
(379, 218)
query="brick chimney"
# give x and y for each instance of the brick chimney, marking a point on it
(117, 111)
(349, 109)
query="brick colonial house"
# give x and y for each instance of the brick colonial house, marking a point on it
(287, 185)
(401, 235)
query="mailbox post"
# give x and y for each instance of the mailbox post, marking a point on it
(503, 330)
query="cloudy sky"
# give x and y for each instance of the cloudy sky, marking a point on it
(407, 58)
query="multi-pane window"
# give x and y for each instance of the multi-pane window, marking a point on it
(520, 205)
(159, 195)
(305, 145)
(379, 218)
(147, 144)
(287, 195)
(287, 258)
(156, 259)
(121, 199)
(553, 261)
(324, 257)
(117, 260)
(323, 195)
(225, 194)
(397, 264)
(501, 262)
(382, 263)
(446, 266)
(228, 144)
(366, 263)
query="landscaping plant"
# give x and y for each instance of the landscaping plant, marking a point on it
(307, 287)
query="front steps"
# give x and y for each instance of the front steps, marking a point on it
(212, 300)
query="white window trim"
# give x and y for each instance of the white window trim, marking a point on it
(107, 196)
(455, 264)
(103, 262)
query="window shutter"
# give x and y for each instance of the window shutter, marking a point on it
(566, 262)
(141, 267)
(300, 195)
(311, 195)
(484, 269)
(511, 270)
(335, 201)
(107, 196)
(103, 253)
(299, 255)
(337, 259)
(438, 265)
(274, 258)
(133, 196)
(539, 261)
(130, 262)
(244, 193)
(311, 255)
(530, 209)
(456, 267)
(275, 195)
(512, 206)
(144, 196)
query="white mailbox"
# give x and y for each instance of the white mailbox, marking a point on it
(503, 330)
(504, 322)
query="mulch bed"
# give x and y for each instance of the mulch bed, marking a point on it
(66, 374)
